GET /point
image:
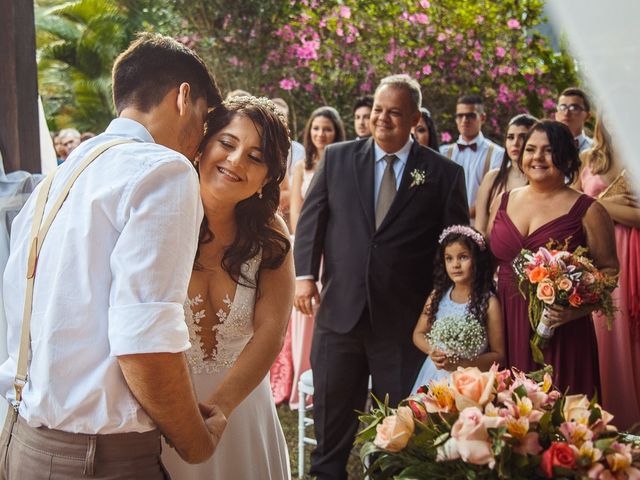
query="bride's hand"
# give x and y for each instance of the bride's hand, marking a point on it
(214, 419)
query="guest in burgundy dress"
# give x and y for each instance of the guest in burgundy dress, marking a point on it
(530, 216)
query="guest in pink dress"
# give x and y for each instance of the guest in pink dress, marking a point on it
(323, 128)
(619, 348)
(528, 217)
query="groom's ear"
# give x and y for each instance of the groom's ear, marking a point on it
(184, 101)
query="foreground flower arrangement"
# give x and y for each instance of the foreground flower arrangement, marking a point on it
(495, 425)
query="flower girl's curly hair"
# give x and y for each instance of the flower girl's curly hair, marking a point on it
(482, 285)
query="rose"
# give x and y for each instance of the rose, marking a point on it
(559, 454)
(417, 405)
(576, 408)
(575, 300)
(538, 274)
(471, 387)
(395, 431)
(546, 292)
(470, 438)
(565, 284)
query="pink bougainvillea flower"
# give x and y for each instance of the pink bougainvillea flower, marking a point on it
(426, 69)
(289, 83)
(446, 137)
(424, 4)
(513, 24)
(345, 12)
(500, 52)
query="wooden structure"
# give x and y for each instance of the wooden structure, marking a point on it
(19, 132)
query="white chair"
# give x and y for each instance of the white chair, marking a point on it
(305, 389)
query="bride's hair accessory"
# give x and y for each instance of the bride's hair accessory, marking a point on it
(258, 102)
(467, 231)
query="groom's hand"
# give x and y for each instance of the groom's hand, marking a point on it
(214, 419)
(306, 294)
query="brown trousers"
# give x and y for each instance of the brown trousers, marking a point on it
(42, 453)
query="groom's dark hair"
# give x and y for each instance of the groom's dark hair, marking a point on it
(153, 65)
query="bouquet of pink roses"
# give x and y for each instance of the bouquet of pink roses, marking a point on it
(558, 277)
(495, 425)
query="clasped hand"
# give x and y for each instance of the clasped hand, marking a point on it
(557, 315)
(214, 419)
(441, 361)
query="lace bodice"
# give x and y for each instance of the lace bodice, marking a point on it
(233, 326)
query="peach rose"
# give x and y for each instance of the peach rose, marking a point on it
(471, 437)
(394, 432)
(575, 300)
(565, 284)
(576, 409)
(472, 388)
(546, 292)
(538, 274)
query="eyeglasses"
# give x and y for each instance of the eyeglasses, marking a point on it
(468, 116)
(571, 108)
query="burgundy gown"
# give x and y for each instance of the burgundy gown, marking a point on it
(573, 351)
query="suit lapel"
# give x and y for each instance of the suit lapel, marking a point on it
(364, 168)
(405, 193)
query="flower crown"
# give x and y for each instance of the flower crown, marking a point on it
(263, 102)
(467, 232)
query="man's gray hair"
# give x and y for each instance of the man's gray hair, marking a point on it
(405, 82)
(69, 132)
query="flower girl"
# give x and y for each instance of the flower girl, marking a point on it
(461, 324)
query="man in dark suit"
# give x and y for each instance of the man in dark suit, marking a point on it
(374, 211)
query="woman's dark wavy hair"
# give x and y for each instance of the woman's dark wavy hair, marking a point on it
(254, 216)
(310, 151)
(431, 126)
(482, 285)
(500, 182)
(564, 153)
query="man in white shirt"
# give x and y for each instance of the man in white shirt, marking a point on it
(107, 371)
(574, 109)
(475, 153)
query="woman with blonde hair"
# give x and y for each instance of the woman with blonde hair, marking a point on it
(603, 176)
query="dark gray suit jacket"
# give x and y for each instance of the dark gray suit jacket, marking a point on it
(389, 270)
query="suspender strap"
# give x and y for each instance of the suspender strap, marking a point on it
(36, 239)
(450, 152)
(487, 160)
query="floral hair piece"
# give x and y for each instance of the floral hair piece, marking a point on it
(259, 102)
(467, 232)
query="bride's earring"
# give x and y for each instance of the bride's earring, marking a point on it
(260, 193)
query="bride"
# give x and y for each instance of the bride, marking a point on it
(241, 290)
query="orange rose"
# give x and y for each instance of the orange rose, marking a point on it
(472, 388)
(575, 300)
(394, 432)
(538, 274)
(546, 292)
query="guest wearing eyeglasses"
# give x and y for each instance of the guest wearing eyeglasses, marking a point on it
(475, 153)
(574, 109)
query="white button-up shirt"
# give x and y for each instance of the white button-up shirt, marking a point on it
(112, 279)
(473, 162)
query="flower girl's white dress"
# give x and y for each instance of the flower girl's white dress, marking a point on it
(253, 446)
(447, 309)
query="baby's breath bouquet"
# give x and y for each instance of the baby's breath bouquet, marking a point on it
(460, 337)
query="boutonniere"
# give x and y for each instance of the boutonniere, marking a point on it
(419, 178)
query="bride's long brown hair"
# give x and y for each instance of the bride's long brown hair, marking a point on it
(255, 217)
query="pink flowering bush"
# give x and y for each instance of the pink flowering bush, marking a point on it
(494, 425)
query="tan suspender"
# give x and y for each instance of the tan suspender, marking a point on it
(487, 160)
(36, 239)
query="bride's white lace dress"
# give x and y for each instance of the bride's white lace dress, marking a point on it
(253, 445)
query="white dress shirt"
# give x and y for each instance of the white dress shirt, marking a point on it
(583, 142)
(473, 162)
(112, 279)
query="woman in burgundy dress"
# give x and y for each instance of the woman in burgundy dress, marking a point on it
(529, 217)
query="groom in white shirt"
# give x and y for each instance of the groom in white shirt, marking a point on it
(107, 374)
